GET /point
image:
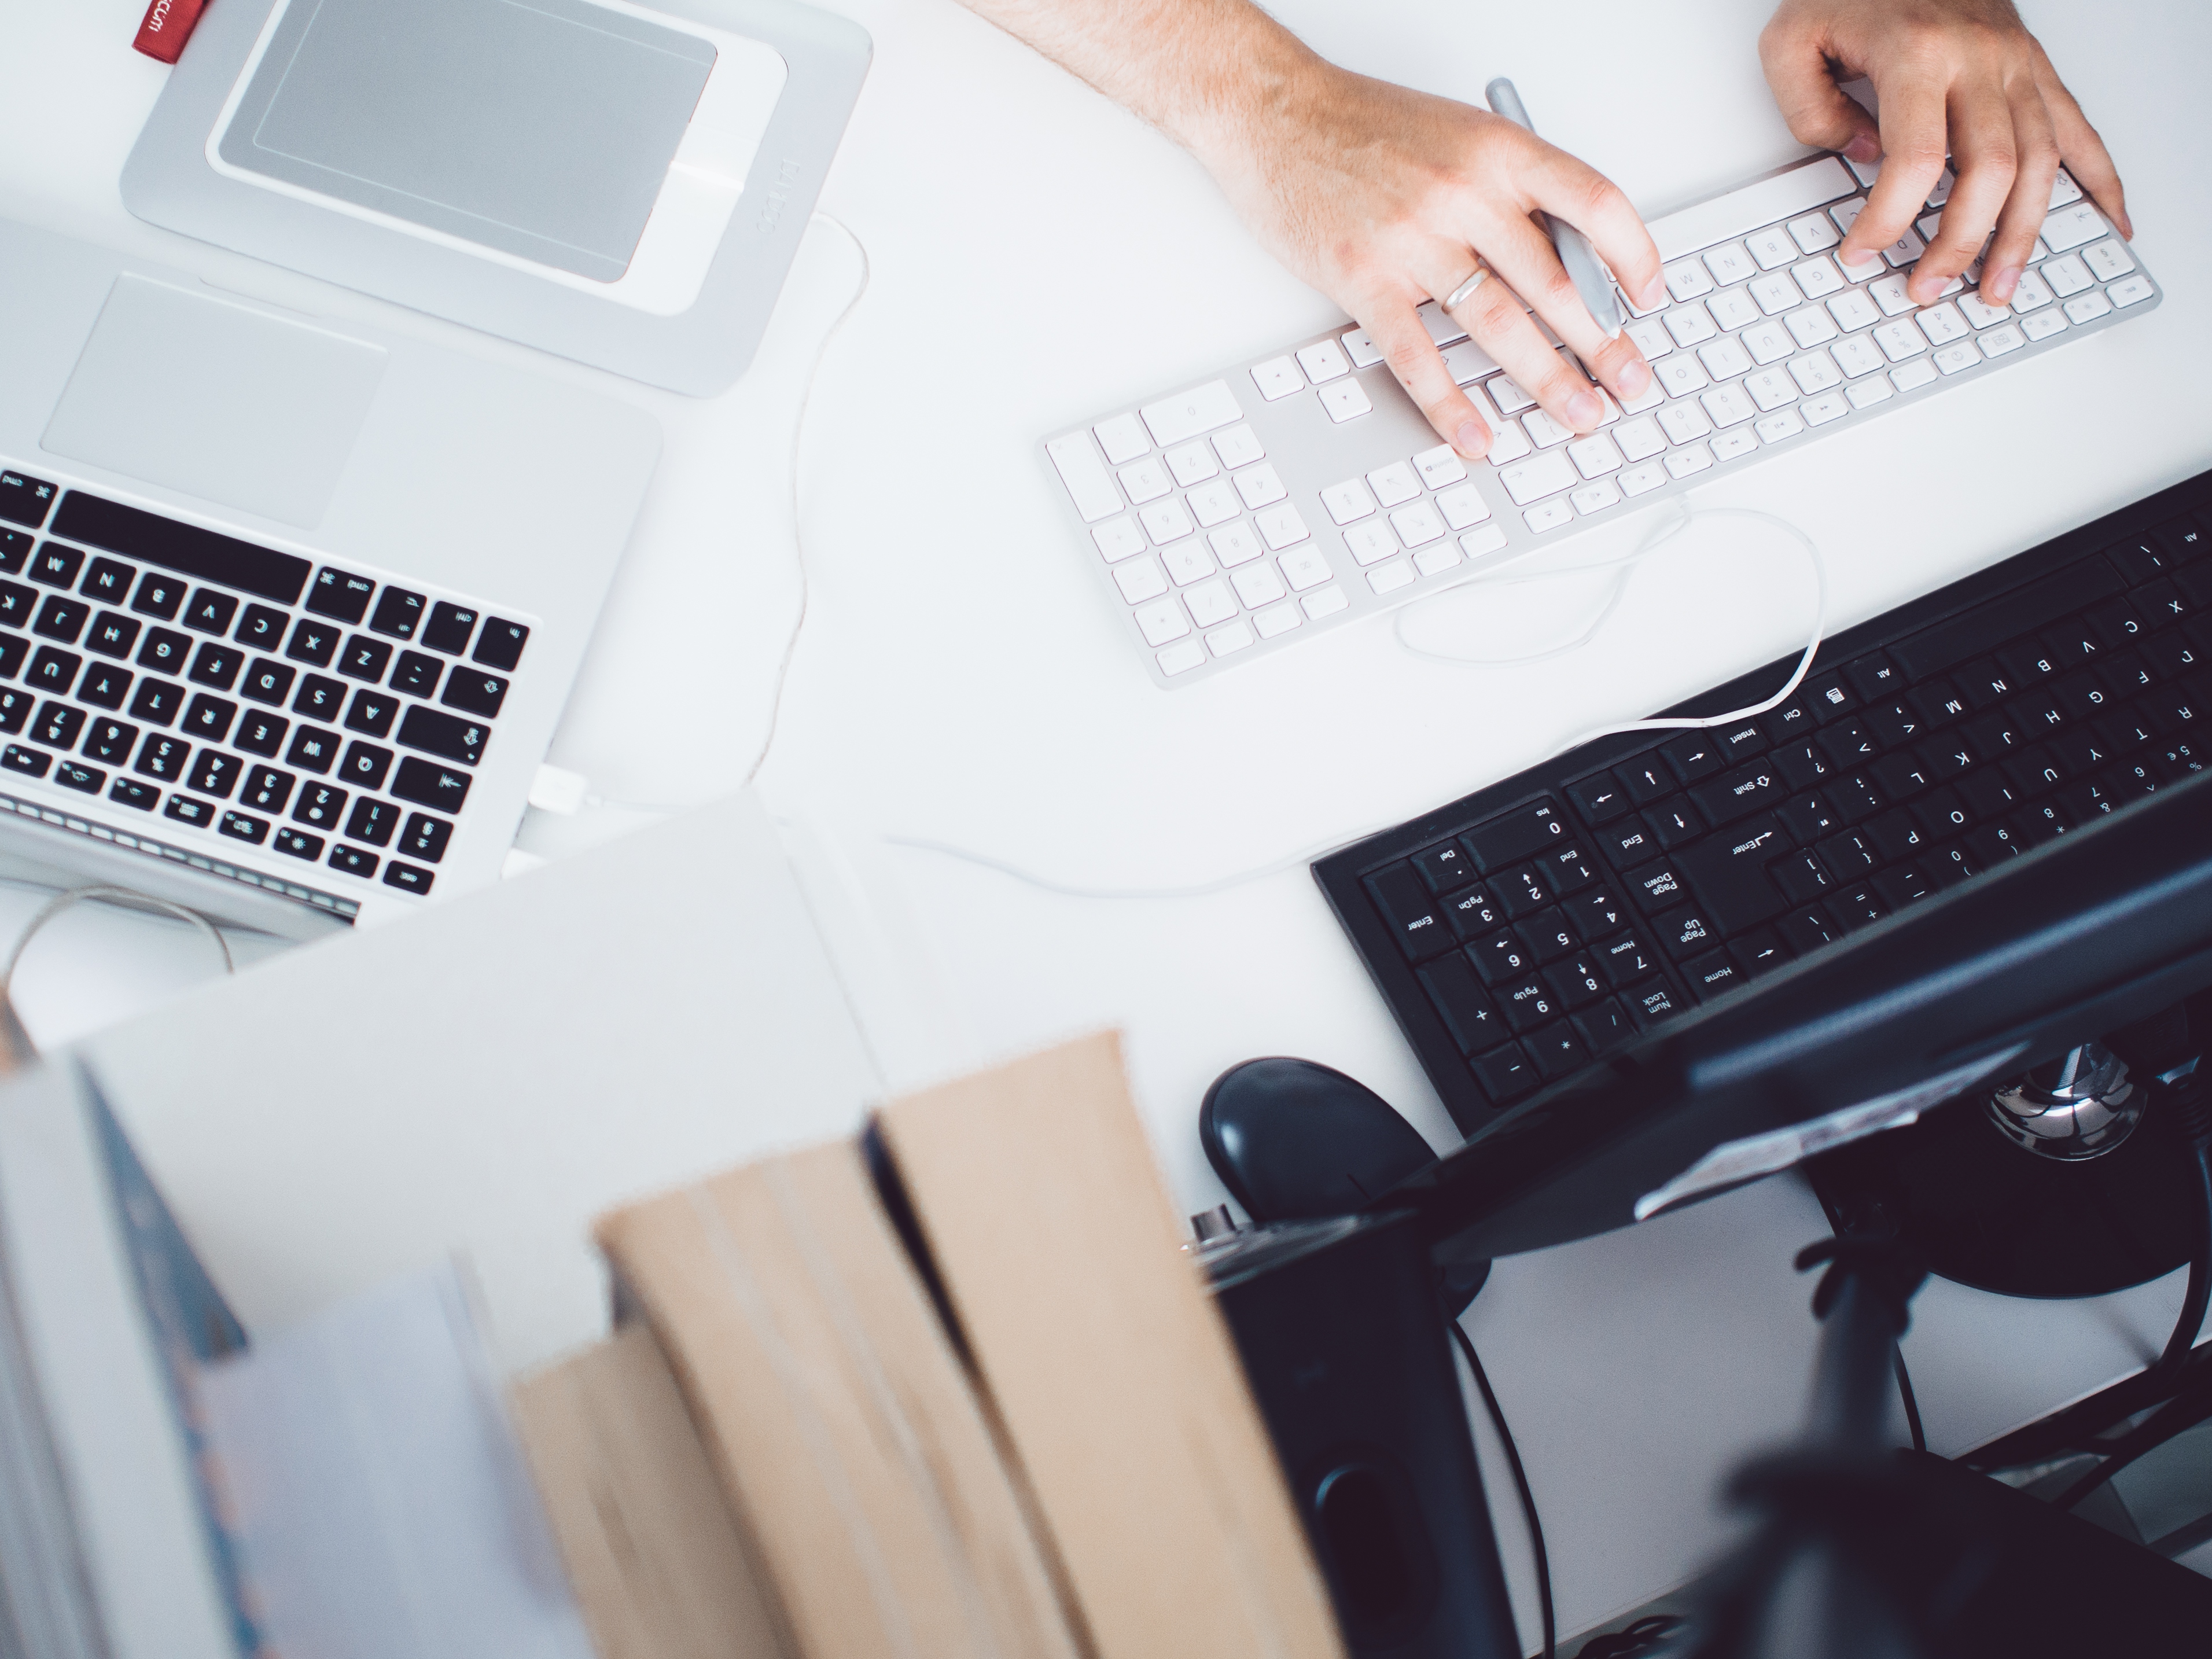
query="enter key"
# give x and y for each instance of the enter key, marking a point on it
(1728, 873)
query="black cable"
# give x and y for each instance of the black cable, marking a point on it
(1905, 1393)
(1521, 1483)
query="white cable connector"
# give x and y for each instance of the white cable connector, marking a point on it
(558, 790)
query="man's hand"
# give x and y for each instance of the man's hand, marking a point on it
(1379, 198)
(1961, 77)
(1382, 197)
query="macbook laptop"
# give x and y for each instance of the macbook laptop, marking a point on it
(289, 609)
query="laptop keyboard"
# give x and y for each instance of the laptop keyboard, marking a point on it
(237, 696)
(1305, 490)
(1522, 932)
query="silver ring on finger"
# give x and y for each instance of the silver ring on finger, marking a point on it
(1460, 296)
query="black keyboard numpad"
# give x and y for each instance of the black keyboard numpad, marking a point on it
(1524, 931)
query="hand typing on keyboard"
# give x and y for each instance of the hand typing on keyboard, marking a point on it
(1970, 106)
(1380, 197)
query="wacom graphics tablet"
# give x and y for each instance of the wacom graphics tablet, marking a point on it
(622, 185)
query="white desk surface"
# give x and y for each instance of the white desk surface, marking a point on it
(1040, 257)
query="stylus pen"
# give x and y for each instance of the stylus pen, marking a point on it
(1575, 252)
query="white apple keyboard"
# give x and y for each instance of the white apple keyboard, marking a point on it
(1283, 497)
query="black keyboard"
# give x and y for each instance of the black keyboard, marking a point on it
(236, 695)
(1520, 933)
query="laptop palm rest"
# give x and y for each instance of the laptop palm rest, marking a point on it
(232, 405)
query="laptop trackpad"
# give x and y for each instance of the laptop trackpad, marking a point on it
(217, 401)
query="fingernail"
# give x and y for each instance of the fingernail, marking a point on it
(1471, 440)
(1583, 410)
(1635, 378)
(1999, 285)
(1654, 294)
(1863, 147)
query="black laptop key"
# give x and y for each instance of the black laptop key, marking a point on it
(1744, 741)
(1752, 789)
(130, 791)
(1801, 877)
(1901, 776)
(1625, 959)
(294, 844)
(1503, 958)
(314, 749)
(1646, 780)
(340, 595)
(1874, 677)
(261, 734)
(321, 807)
(1760, 951)
(185, 808)
(364, 659)
(24, 500)
(108, 582)
(1792, 722)
(268, 681)
(1520, 893)
(425, 837)
(2160, 605)
(210, 612)
(1656, 887)
(1473, 914)
(2142, 558)
(320, 697)
(1557, 1050)
(1893, 724)
(59, 725)
(398, 613)
(15, 552)
(448, 629)
(1728, 873)
(112, 635)
(105, 685)
(266, 789)
(1504, 1073)
(1548, 934)
(426, 784)
(1501, 842)
(162, 756)
(1712, 974)
(110, 741)
(13, 649)
(243, 826)
(209, 717)
(1830, 695)
(1851, 743)
(371, 713)
(353, 860)
(215, 665)
(53, 671)
(1685, 932)
(1938, 702)
(407, 878)
(1596, 914)
(18, 604)
(1897, 835)
(165, 651)
(158, 596)
(214, 773)
(1693, 756)
(1855, 906)
(1444, 867)
(55, 565)
(1569, 870)
(1600, 799)
(158, 701)
(1460, 1001)
(1651, 1003)
(1408, 908)
(85, 780)
(1675, 822)
(416, 674)
(475, 692)
(365, 765)
(29, 762)
(1576, 981)
(313, 642)
(1906, 884)
(373, 821)
(442, 735)
(501, 644)
(2116, 623)
(16, 707)
(1527, 1004)
(1984, 627)
(1604, 1025)
(261, 629)
(1627, 844)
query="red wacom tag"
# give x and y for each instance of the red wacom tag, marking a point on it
(169, 24)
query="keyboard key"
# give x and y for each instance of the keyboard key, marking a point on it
(1712, 973)
(104, 685)
(109, 741)
(210, 611)
(166, 650)
(314, 749)
(17, 758)
(209, 717)
(185, 810)
(1516, 836)
(365, 765)
(320, 806)
(261, 629)
(353, 861)
(1728, 873)
(425, 837)
(1685, 931)
(57, 726)
(1460, 998)
(339, 595)
(111, 634)
(312, 642)
(398, 613)
(1399, 893)
(16, 709)
(61, 619)
(320, 697)
(1557, 1050)
(53, 671)
(293, 843)
(18, 603)
(241, 826)
(260, 733)
(215, 665)
(159, 595)
(214, 773)
(55, 565)
(158, 701)
(408, 879)
(86, 780)
(442, 735)
(417, 675)
(1600, 799)
(267, 789)
(1528, 1004)
(129, 791)
(1576, 981)
(366, 659)
(1506, 1073)
(162, 756)
(1652, 1004)
(373, 821)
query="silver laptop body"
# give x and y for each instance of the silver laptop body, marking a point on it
(288, 609)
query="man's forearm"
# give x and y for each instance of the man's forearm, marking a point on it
(1200, 71)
